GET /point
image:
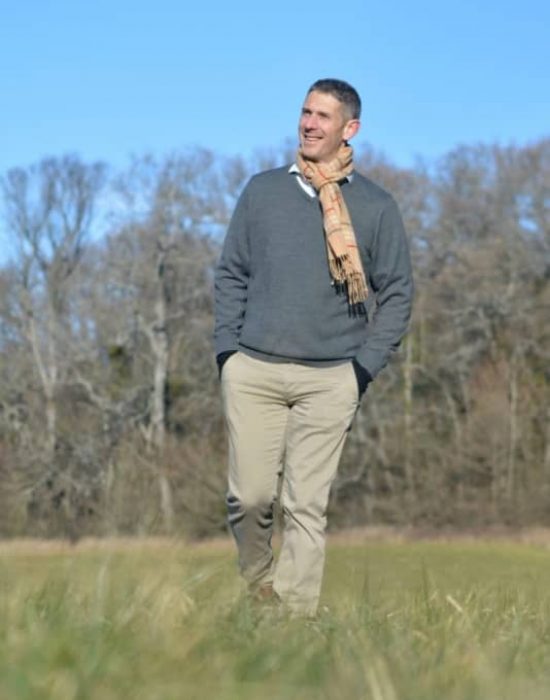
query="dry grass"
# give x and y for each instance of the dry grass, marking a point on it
(353, 536)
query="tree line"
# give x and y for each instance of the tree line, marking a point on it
(110, 419)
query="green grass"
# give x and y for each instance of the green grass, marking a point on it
(411, 621)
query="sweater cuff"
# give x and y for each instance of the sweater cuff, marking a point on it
(362, 375)
(222, 358)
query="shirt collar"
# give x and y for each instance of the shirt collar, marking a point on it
(296, 171)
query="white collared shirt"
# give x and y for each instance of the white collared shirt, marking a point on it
(306, 186)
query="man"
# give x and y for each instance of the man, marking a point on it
(294, 346)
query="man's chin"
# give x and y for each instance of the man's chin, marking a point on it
(309, 156)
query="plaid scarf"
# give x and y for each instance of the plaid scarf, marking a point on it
(344, 261)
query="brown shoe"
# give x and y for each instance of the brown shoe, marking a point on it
(264, 594)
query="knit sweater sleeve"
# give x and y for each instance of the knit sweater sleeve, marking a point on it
(231, 280)
(390, 277)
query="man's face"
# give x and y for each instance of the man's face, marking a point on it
(323, 126)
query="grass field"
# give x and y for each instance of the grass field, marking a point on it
(160, 621)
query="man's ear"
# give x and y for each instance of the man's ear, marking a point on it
(351, 128)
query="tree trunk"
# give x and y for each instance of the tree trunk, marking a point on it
(159, 343)
(48, 378)
(408, 420)
(512, 425)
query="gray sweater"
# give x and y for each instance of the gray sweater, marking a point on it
(274, 296)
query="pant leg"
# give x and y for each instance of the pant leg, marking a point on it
(256, 414)
(325, 403)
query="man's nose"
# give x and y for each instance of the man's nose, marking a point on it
(310, 121)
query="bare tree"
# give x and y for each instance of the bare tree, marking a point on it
(49, 209)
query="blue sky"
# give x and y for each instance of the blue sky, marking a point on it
(107, 79)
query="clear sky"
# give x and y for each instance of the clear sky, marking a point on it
(107, 78)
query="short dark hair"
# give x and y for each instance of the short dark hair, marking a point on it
(343, 92)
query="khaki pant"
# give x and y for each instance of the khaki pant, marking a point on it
(289, 418)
